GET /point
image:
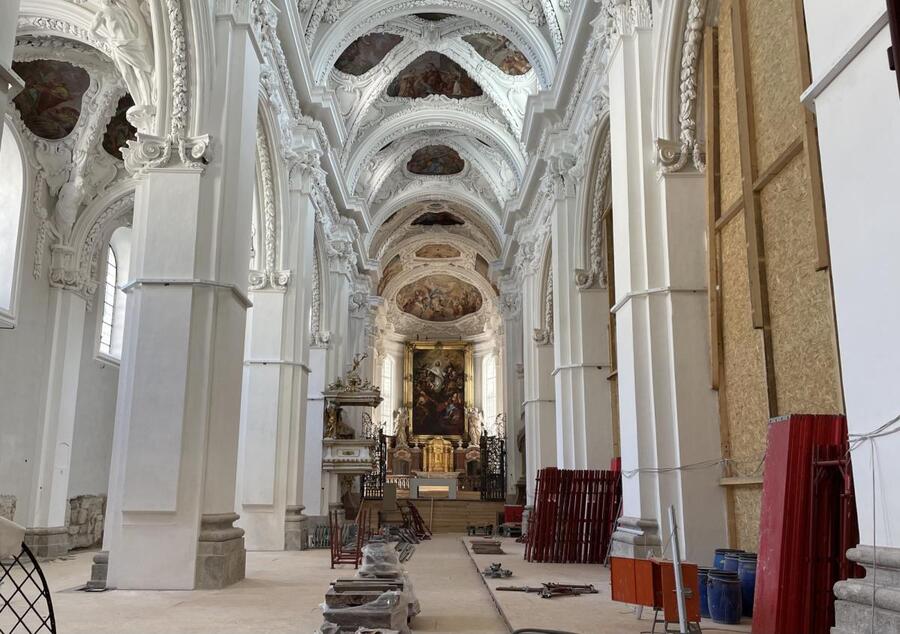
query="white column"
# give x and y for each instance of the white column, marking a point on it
(668, 413)
(539, 397)
(511, 386)
(580, 323)
(273, 415)
(10, 83)
(46, 518)
(313, 497)
(172, 480)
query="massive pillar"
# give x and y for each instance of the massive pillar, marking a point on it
(10, 83)
(539, 397)
(172, 480)
(583, 405)
(274, 408)
(668, 413)
(47, 534)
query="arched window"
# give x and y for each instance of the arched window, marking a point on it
(112, 318)
(12, 202)
(489, 391)
(387, 392)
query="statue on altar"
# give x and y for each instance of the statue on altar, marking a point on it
(475, 425)
(401, 427)
(334, 426)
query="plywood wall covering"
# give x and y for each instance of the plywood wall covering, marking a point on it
(728, 130)
(747, 510)
(775, 77)
(806, 364)
(746, 407)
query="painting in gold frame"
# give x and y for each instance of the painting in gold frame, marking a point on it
(438, 386)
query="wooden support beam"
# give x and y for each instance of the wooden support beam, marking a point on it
(713, 198)
(756, 261)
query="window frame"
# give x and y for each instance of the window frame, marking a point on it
(386, 413)
(9, 316)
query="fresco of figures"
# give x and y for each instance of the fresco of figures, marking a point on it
(438, 218)
(438, 251)
(500, 52)
(119, 131)
(439, 298)
(50, 103)
(433, 74)
(436, 160)
(439, 396)
(366, 52)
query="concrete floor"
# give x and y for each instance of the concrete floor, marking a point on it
(586, 614)
(283, 591)
(281, 595)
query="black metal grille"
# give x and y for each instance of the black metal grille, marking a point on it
(373, 483)
(25, 605)
(493, 468)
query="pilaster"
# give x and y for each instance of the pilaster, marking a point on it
(513, 388)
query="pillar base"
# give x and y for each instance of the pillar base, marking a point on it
(48, 542)
(853, 608)
(636, 538)
(99, 571)
(296, 530)
(221, 557)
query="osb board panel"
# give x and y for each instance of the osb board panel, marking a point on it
(746, 402)
(729, 146)
(775, 77)
(801, 313)
(747, 502)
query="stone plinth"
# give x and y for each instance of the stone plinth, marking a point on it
(48, 542)
(636, 538)
(221, 558)
(296, 529)
(99, 570)
(853, 609)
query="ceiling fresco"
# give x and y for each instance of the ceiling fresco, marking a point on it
(499, 51)
(366, 52)
(433, 74)
(438, 251)
(50, 103)
(393, 267)
(440, 218)
(436, 160)
(439, 298)
(433, 17)
(119, 131)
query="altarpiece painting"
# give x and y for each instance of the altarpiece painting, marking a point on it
(438, 387)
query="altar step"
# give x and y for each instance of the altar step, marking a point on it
(453, 516)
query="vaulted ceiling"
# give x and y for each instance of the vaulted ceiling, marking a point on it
(433, 97)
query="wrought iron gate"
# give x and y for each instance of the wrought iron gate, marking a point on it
(493, 468)
(25, 605)
(373, 483)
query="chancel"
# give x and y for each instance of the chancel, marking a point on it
(609, 283)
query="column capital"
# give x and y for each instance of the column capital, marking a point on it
(149, 151)
(271, 280)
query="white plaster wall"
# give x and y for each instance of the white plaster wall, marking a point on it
(21, 380)
(95, 415)
(859, 133)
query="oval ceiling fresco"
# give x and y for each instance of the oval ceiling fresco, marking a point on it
(366, 52)
(433, 74)
(437, 218)
(436, 160)
(50, 103)
(439, 298)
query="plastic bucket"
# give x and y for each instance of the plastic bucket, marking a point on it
(719, 560)
(724, 597)
(731, 562)
(703, 576)
(747, 577)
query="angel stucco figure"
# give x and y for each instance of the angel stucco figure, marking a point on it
(123, 25)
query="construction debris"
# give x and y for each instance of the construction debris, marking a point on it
(486, 547)
(496, 571)
(550, 590)
(484, 530)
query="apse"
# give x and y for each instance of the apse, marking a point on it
(434, 74)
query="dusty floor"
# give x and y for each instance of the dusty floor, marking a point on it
(586, 614)
(283, 591)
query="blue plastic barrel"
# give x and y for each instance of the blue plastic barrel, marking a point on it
(731, 562)
(719, 560)
(703, 575)
(724, 597)
(747, 577)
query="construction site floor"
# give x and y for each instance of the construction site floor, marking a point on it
(585, 614)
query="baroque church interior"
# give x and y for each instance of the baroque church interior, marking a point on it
(602, 284)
